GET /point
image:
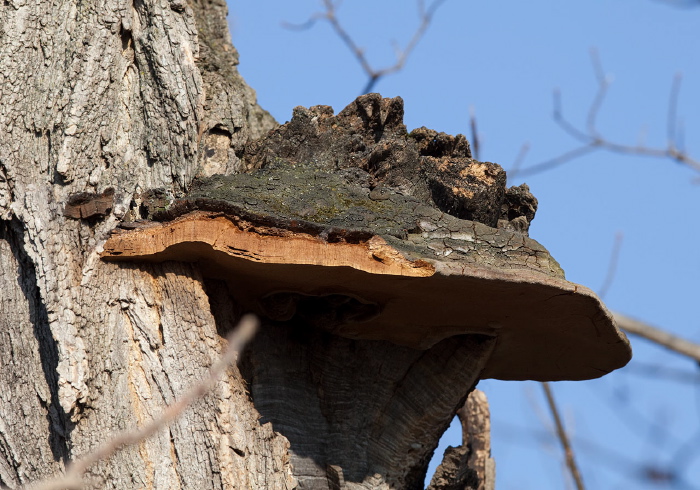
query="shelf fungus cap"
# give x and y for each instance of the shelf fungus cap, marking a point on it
(403, 272)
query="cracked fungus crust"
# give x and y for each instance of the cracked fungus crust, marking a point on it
(331, 204)
(353, 249)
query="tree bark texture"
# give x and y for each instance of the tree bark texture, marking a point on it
(102, 102)
(369, 411)
(469, 466)
(125, 96)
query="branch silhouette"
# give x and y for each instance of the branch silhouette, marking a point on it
(329, 15)
(591, 139)
(563, 438)
(658, 336)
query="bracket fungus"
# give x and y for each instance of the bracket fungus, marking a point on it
(362, 229)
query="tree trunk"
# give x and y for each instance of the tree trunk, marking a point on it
(101, 102)
(469, 466)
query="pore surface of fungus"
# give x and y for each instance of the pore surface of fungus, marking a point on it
(355, 226)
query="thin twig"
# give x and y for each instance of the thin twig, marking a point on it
(632, 415)
(681, 3)
(604, 81)
(558, 116)
(592, 139)
(72, 479)
(563, 438)
(554, 162)
(664, 372)
(373, 74)
(612, 266)
(605, 455)
(476, 143)
(656, 335)
(519, 159)
(680, 135)
(672, 119)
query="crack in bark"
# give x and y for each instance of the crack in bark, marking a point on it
(59, 422)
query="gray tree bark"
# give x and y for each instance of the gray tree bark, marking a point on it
(121, 95)
(102, 102)
(469, 466)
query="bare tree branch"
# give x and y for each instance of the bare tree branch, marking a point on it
(563, 438)
(681, 3)
(373, 74)
(672, 118)
(606, 455)
(553, 162)
(237, 340)
(476, 143)
(591, 139)
(519, 159)
(612, 266)
(664, 372)
(661, 337)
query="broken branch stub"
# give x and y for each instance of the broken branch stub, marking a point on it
(360, 228)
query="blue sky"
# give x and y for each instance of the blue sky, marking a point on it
(503, 58)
